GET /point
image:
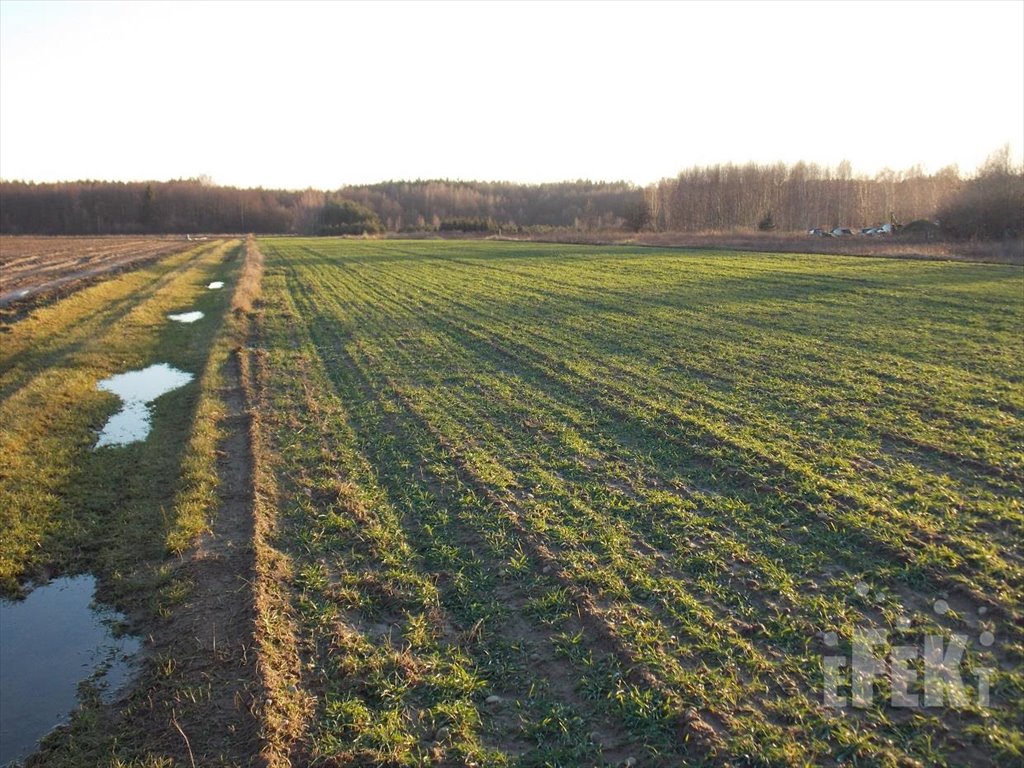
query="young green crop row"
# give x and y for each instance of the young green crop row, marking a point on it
(545, 505)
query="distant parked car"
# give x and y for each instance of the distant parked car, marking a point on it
(817, 232)
(881, 229)
(841, 232)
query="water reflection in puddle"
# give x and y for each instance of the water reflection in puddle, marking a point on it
(137, 389)
(50, 642)
(186, 317)
(215, 284)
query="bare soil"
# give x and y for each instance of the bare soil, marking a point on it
(32, 268)
(212, 635)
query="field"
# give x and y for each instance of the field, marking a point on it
(527, 504)
(902, 246)
(38, 267)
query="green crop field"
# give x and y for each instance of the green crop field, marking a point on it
(539, 505)
(546, 505)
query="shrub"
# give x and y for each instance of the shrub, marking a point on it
(347, 218)
(990, 206)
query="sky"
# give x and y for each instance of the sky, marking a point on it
(296, 95)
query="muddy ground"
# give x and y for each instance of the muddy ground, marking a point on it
(39, 268)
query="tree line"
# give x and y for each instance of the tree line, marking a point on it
(194, 205)
(804, 196)
(987, 204)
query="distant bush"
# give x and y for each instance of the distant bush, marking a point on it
(638, 215)
(920, 229)
(990, 206)
(347, 218)
(468, 224)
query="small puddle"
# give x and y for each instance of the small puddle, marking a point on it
(137, 389)
(215, 284)
(186, 317)
(49, 643)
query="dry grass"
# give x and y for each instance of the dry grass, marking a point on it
(993, 252)
(248, 291)
(283, 711)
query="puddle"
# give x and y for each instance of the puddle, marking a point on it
(215, 284)
(137, 389)
(50, 642)
(186, 317)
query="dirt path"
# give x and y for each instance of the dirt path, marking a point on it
(199, 705)
(209, 710)
(218, 623)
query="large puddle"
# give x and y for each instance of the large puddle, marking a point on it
(137, 389)
(186, 317)
(49, 643)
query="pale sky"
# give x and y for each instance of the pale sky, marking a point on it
(326, 94)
